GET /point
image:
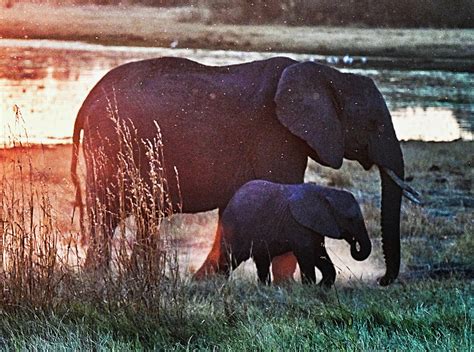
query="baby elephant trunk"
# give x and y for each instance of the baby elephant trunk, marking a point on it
(360, 247)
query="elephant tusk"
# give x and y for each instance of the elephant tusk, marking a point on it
(412, 198)
(408, 191)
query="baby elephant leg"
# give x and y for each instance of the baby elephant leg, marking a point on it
(263, 269)
(325, 265)
(305, 257)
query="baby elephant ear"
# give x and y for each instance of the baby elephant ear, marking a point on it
(346, 209)
(306, 105)
(313, 211)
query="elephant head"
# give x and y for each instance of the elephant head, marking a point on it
(342, 115)
(332, 213)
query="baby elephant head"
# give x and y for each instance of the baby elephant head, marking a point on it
(332, 213)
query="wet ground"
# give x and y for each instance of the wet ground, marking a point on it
(48, 80)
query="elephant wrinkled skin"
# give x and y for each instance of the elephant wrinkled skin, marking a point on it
(224, 126)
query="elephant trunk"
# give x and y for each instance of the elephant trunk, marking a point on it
(384, 150)
(361, 247)
(386, 153)
(390, 223)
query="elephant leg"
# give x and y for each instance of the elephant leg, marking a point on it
(146, 251)
(263, 269)
(93, 251)
(211, 264)
(305, 257)
(283, 268)
(325, 265)
(227, 261)
(102, 227)
(236, 260)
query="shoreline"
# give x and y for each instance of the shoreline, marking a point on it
(442, 49)
(335, 60)
(37, 146)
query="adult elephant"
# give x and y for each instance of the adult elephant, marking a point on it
(223, 126)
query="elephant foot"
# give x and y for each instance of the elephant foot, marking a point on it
(96, 261)
(99, 268)
(207, 270)
(326, 283)
(91, 260)
(386, 280)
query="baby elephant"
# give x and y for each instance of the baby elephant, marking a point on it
(265, 219)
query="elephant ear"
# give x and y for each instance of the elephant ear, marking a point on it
(312, 210)
(306, 104)
(345, 207)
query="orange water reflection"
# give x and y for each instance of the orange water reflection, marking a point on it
(48, 81)
(48, 104)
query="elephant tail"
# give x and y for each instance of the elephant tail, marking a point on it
(78, 126)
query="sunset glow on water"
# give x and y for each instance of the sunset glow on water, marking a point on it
(48, 81)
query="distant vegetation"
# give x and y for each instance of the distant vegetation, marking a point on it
(372, 13)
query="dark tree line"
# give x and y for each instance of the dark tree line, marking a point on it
(371, 13)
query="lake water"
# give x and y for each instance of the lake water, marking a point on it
(48, 80)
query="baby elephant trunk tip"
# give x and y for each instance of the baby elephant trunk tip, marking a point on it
(360, 250)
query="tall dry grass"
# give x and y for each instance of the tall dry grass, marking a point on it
(42, 266)
(30, 265)
(140, 191)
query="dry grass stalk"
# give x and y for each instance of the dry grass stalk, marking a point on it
(29, 236)
(39, 264)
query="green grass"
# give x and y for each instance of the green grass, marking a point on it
(427, 315)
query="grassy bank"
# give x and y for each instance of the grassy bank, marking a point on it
(188, 28)
(428, 315)
(50, 303)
